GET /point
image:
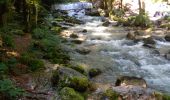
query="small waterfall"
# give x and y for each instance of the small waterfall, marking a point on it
(76, 9)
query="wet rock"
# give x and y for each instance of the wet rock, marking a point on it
(94, 72)
(83, 51)
(77, 41)
(149, 42)
(139, 33)
(67, 77)
(167, 56)
(92, 12)
(128, 80)
(106, 23)
(131, 36)
(68, 93)
(167, 37)
(73, 36)
(84, 31)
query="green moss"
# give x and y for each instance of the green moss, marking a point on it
(56, 29)
(79, 83)
(78, 68)
(165, 97)
(94, 72)
(70, 94)
(111, 95)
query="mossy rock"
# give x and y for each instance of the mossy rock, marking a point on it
(111, 95)
(79, 83)
(67, 77)
(68, 93)
(94, 72)
(78, 68)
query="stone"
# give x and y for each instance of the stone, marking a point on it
(149, 42)
(167, 37)
(130, 80)
(83, 51)
(77, 41)
(74, 36)
(106, 23)
(131, 36)
(84, 31)
(94, 72)
(167, 56)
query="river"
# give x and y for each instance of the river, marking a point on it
(116, 56)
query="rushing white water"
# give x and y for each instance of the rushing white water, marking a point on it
(116, 55)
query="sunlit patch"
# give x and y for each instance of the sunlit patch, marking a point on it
(102, 34)
(12, 53)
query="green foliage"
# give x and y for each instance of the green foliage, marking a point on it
(118, 12)
(70, 94)
(31, 61)
(142, 20)
(8, 40)
(18, 32)
(9, 90)
(39, 33)
(111, 95)
(3, 69)
(165, 97)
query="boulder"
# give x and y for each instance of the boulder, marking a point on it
(167, 56)
(83, 51)
(130, 80)
(94, 72)
(67, 77)
(149, 42)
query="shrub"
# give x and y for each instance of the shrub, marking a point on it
(118, 12)
(8, 90)
(142, 21)
(39, 33)
(3, 68)
(8, 40)
(17, 32)
(70, 94)
(33, 63)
